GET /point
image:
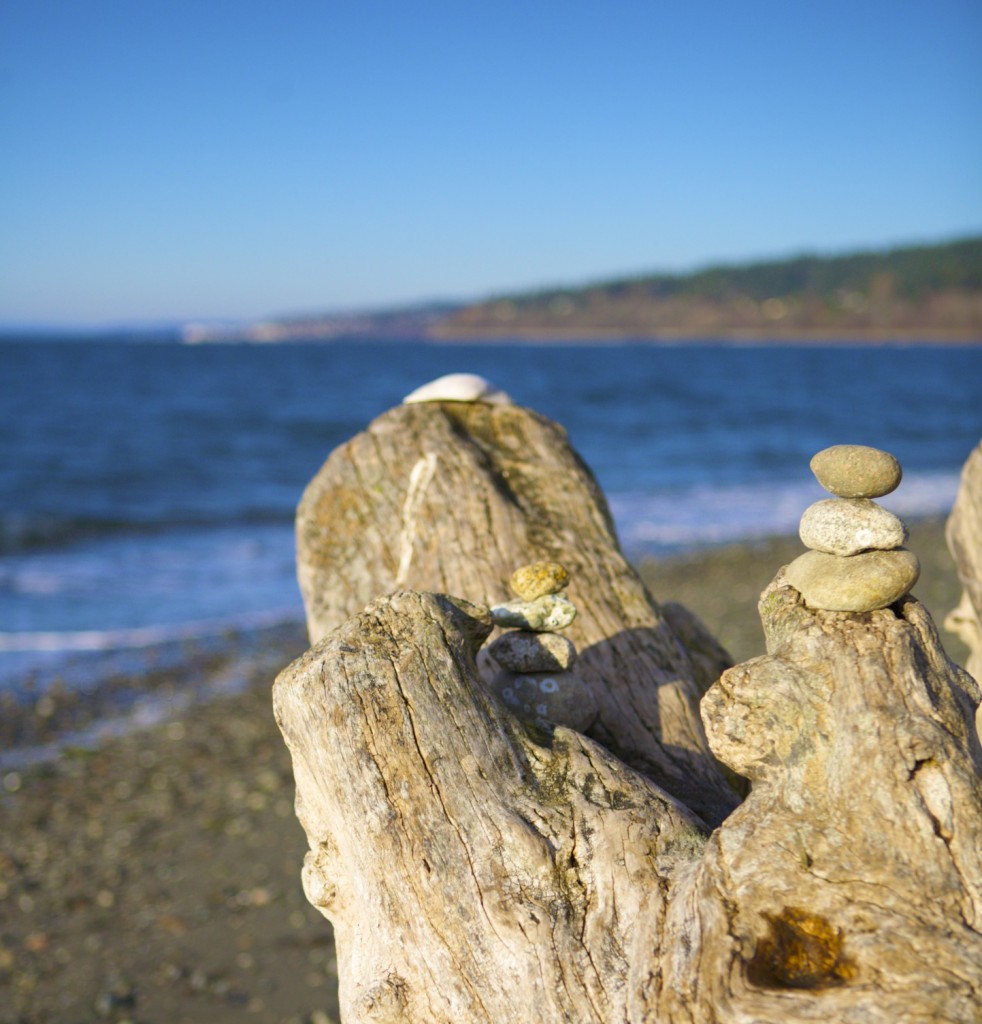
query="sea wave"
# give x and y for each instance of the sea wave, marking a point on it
(32, 531)
(26, 531)
(67, 612)
(709, 514)
(148, 636)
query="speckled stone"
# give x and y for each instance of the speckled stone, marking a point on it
(856, 471)
(846, 526)
(544, 614)
(521, 651)
(860, 583)
(457, 387)
(539, 579)
(560, 698)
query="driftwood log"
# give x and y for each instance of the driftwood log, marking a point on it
(964, 534)
(451, 498)
(478, 870)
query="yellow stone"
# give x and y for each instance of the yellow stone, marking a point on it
(539, 579)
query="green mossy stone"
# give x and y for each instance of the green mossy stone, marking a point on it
(545, 614)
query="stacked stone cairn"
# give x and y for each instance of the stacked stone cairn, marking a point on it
(857, 561)
(534, 678)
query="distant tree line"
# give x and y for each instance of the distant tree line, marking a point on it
(924, 290)
(914, 271)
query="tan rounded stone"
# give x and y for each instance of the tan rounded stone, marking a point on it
(539, 579)
(559, 698)
(523, 651)
(856, 471)
(859, 583)
(847, 526)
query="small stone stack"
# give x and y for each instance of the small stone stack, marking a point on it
(535, 680)
(857, 561)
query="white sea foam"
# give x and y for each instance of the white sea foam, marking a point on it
(149, 636)
(707, 514)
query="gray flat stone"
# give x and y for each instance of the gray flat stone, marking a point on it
(560, 698)
(860, 583)
(847, 526)
(856, 471)
(522, 651)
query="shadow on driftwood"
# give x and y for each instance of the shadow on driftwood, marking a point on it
(699, 790)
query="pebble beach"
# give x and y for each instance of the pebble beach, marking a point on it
(155, 876)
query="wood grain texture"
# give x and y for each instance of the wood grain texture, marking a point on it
(478, 871)
(473, 871)
(452, 497)
(964, 535)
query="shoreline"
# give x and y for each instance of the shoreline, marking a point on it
(608, 336)
(601, 336)
(98, 694)
(157, 877)
(124, 690)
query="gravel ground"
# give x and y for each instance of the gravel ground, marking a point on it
(156, 879)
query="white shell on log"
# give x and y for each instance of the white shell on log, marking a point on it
(457, 387)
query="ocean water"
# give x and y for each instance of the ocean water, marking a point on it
(147, 490)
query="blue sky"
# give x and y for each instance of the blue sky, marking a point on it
(171, 160)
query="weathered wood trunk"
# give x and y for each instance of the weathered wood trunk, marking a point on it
(475, 872)
(964, 534)
(451, 498)
(479, 870)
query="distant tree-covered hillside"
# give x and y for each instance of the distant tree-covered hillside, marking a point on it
(920, 291)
